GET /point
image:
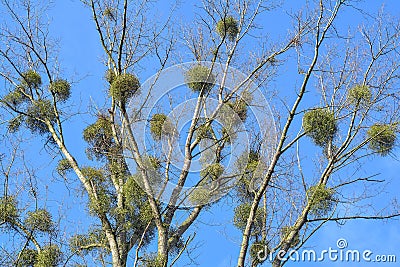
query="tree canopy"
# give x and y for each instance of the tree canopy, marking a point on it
(183, 113)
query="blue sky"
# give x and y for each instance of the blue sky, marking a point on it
(80, 58)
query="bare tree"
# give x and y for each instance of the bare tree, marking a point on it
(165, 149)
(356, 120)
(32, 229)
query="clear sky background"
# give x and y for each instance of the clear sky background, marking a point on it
(80, 58)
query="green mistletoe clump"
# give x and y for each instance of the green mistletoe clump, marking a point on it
(228, 27)
(124, 86)
(200, 78)
(382, 138)
(320, 125)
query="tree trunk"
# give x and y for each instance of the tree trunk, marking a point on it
(162, 255)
